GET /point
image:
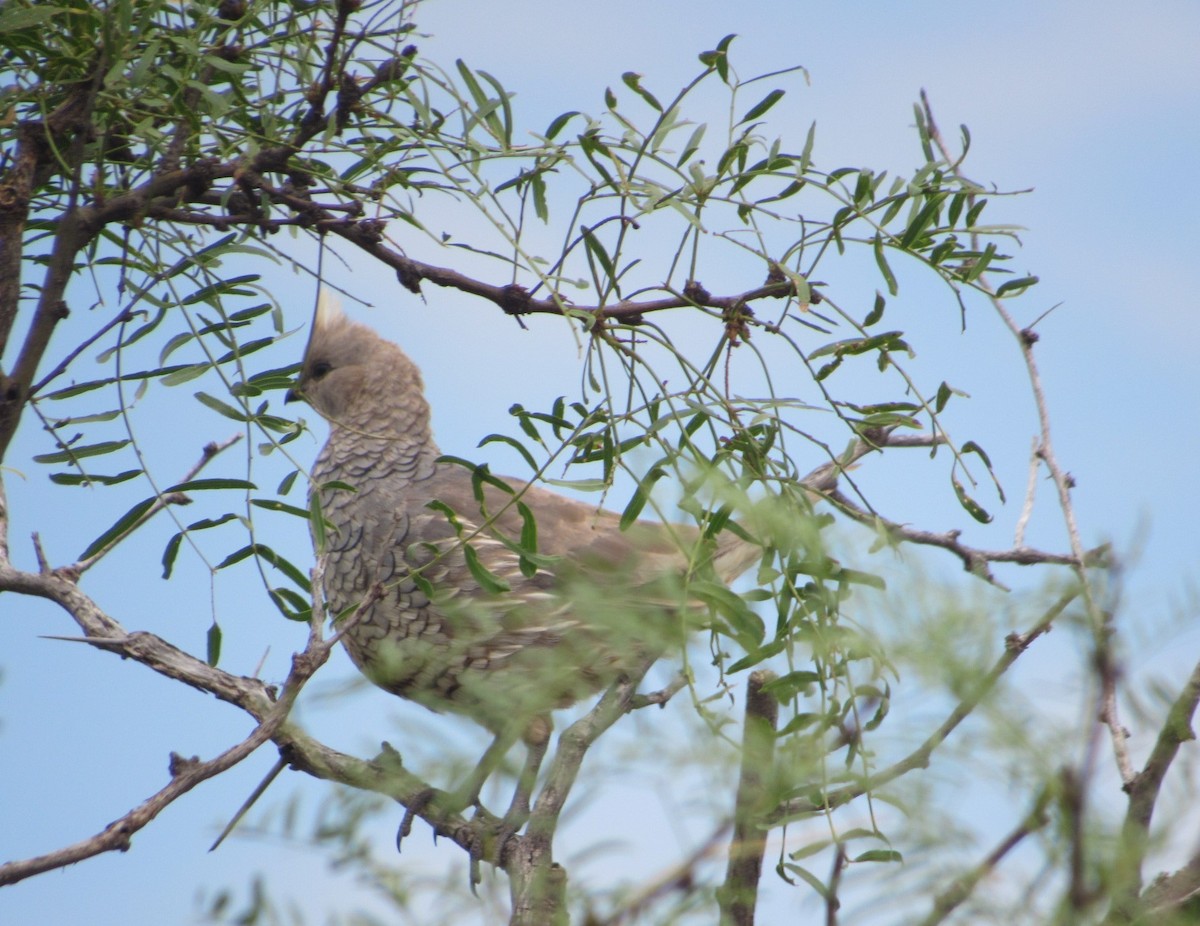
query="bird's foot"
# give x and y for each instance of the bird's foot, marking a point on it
(490, 836)
(414, 807)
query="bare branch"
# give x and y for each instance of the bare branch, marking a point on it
(974, 559)
(1143, 797)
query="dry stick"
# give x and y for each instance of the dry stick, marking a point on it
(952, 897)
(1143, 795)
(738, 896)
(974, 559)
(1015, 644)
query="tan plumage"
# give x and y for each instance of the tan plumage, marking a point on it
(598, 604)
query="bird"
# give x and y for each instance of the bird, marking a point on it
(494, 597)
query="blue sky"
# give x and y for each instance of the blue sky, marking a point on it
(1096, 107)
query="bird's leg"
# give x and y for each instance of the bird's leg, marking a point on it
(467, 794)
(537, 739)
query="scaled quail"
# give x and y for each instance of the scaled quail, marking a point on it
(506, 650)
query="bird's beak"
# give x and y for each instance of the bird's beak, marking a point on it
(294, 394)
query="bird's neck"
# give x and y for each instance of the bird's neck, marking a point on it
(403, 448)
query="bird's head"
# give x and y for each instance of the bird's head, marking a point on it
(349, 372)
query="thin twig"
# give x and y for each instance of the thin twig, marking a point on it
(211, 450)
(952, 897)
(1030, 495)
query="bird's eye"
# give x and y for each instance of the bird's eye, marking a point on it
(320, 368)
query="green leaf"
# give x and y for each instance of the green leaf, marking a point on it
(273, 504)
(199, 485)
(80, 479)
(634, 82)
(972, 507)
(514, 443)
(14, 18)
(265, 553)
(170, 552)
(886, 270)
(786, 687)
(291, 605)
(559, 123)
(119, 529)
(214, 644)
(79, 452)
(808, 877)
(876, 312)
(486, 579)
(879, 855)
(799, 722)
(579, 485)
(316, 521)
(640, 496)
(762, 106)
(1016, 287)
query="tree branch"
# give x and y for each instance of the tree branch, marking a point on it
(739, 895)
(1143, 796)
(952, 897)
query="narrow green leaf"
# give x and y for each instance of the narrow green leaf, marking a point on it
(808, 877)
(762, 106)
(199, 485)
(170, 553)
(1016, 287)
(972, 507)
(291, 605)
(559, 123)
(640, 496)
(884, 269)
(273, 504)
(316, 522)
(79, 452)
(879, 855)
(515, 444)
(943, 396)
(487, 580)
(80, 479)
(876, 312)
(119, 529)
(633, 81)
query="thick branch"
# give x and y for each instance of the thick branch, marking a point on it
(739, 895)
(537, 884)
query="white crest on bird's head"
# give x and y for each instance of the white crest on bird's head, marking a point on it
(329, 310)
